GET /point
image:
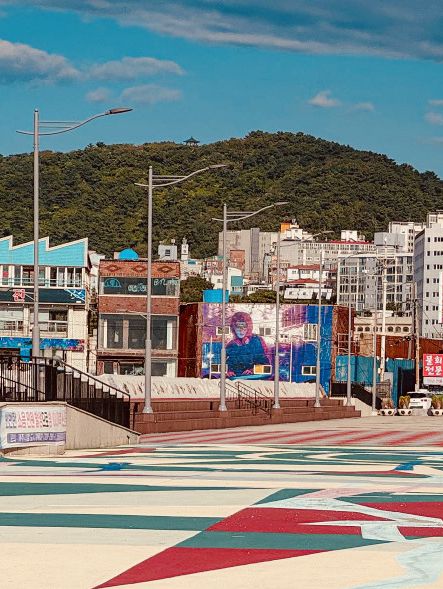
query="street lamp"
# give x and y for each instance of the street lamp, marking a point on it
(51, 128)
(157, 181)
(230, 217)
(348, 373)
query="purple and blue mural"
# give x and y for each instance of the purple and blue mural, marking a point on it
(250, 343)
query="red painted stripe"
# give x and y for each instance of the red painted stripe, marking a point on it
(318, 435)
(279, 520)
(428, 508)
(197, 435)
(411, 438)
(421, 532)
(178, 561)
(371, 436)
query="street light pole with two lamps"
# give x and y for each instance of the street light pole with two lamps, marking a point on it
(154, 182)
(230, 217)
(51, 128)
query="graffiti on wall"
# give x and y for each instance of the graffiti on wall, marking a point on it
(15, 343)
(250, 342)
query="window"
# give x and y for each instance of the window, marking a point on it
(108, 368)
(113, 285)
(136, 332)
(219, 330)
(310, 332)
(215, 368)
(132, 368)
(73, 277)
(264, 330)
(164, 332)
(262, 369)
(309, 370)
(5, 275)
(111, 331)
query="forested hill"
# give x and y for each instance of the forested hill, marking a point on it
(91, 192)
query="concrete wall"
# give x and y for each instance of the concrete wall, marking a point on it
(84, 430)
(197, 388)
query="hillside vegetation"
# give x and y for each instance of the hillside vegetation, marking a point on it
(329, 186)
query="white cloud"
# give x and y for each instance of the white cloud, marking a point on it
(323, 100)
(394, 28)
(20, 62)
(436, 102)
(434, 118)
(364, 106)
(150, 94)
(129, 68)
(98, 95)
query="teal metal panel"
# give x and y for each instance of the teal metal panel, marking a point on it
(73, 253)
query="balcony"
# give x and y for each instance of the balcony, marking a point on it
(53, 328)
(44, 283)
(17, 328)
(11, 327)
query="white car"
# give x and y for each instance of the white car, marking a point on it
(420, 400)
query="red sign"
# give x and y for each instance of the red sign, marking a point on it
(432, 365)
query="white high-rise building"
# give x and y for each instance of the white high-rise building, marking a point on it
(428, 276)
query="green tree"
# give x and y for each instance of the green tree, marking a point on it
(191, 289)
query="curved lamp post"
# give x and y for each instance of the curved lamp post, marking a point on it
(43, 128)
(154, 182)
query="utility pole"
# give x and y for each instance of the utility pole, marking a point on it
(416, 338)
(223, 321)
(318, 364)
(374, 365)
(383, 322)
(277, 331)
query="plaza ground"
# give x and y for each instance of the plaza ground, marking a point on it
(308, 505)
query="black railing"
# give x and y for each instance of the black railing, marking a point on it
(339, 389)
(246, 397)
(48, 379)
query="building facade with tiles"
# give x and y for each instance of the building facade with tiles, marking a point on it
(64, 299)
(122, 317)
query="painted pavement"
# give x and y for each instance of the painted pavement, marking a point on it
(246, 516)
(313, 436)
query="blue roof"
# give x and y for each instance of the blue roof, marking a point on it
(128, 254)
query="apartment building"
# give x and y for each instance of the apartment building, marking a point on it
(64, 299)
(428, 276)
(122, 315)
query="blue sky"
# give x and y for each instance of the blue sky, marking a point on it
(367, 76)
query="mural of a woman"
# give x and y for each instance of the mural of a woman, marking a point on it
(246, 349)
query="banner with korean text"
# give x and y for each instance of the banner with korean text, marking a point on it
(28, 425)
(433, 369)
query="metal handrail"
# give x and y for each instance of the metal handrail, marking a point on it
(51, 379)
(60, 362)
(243, 393)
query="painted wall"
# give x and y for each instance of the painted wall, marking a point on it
(72, 254)
(251, 352)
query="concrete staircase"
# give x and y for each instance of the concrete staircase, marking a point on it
(175, 415)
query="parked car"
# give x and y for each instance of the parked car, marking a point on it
(420, 400)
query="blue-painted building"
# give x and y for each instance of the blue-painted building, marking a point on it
(63, 293)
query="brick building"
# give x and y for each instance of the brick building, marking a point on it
(122, 317)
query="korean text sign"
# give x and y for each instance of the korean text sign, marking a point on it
(29, 426)
(432, 365)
